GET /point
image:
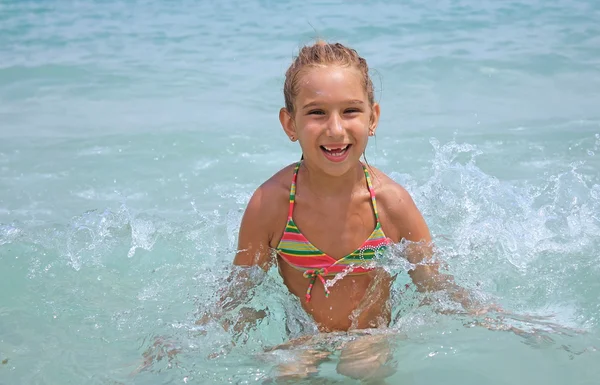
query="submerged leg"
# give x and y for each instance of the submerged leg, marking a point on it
(303, 364)
(367, 358)
(298, 359)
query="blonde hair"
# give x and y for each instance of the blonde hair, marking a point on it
(323, 54)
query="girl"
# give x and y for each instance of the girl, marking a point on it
(329, 216)
(327, 219)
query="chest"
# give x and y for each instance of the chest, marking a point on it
(335, 227)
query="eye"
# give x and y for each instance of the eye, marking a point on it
(352, 110)
(316, 112)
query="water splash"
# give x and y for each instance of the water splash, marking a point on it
(9, 233)
(505, 239)
(143, 236)
(531, 247)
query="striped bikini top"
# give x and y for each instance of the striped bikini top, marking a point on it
(299, 253)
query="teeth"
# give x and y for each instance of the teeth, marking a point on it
(337, 148)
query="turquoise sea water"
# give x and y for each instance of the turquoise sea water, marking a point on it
(132, 134)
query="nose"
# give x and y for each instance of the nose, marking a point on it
(334, 125)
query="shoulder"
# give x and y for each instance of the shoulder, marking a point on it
(400, 216)
(269, 203)
(274, 189)
(392, 197)
(389, 192)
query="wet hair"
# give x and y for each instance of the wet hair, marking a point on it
(322, 54)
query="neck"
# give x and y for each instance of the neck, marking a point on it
(326, 185)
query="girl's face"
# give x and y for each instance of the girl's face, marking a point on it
(333, 118)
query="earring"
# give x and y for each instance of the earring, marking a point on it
(292, 138)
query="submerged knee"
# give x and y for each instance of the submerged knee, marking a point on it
(366, 359)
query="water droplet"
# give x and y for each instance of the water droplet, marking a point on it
(590, 153)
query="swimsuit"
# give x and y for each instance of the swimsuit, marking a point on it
(302, 255)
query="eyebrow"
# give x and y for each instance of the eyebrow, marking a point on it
(354, 101)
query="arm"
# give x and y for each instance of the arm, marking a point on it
(252, 260)
(411, 226)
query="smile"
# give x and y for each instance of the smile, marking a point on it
(336, 153)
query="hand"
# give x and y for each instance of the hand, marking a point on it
(207, 317)
(160, 349)
(246, 315)
(484, 309)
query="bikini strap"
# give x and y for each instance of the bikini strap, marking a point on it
(372, 192)
(293, 190)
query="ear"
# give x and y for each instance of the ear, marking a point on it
(287, 122)
(375, 113)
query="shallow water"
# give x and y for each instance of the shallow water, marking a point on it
(132, 135)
